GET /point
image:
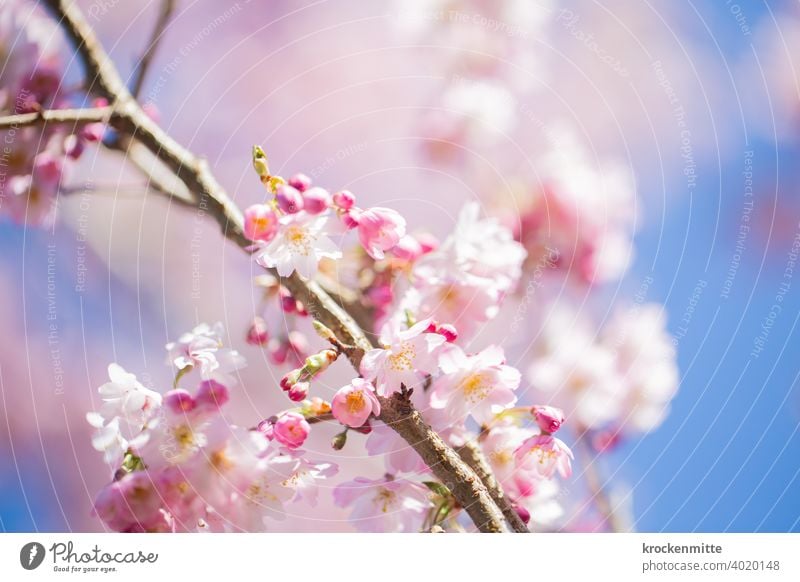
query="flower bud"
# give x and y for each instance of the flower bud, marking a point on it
(260, 163)
(320, 362)
(523, 513)
(289, 199)
(290, 379)
(299, 391)
(548, 418)
(300, 181)
(257, 333)
(316, 200)
(427, 242)
(449, 332)
(344, 199)
(260, 222)
(291, 429)
(179, 401)
(73, 146)
(288, 303)
(339, 441)
(212, 395)
(350, 218)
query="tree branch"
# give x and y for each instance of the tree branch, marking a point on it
(472, 456)
(396, 412)
(65, 116)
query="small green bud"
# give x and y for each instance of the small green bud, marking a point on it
(260, 162)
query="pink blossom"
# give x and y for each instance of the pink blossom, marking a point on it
(132, 504)
(398, 455)
(291, 429)
(299, 245)
(344, 199)
(260, 222)
(383, 505)
(300, 182)
(125, 397)
(380, 229)
(211, 395)
(316, 200)
(298, 391)
(257, 333)
(479, 385)
(179, 400)
(408, 249)
(203, 348)
(353, 404)
(548, 418)
(290, 200)
(544, 455)
(407, 355)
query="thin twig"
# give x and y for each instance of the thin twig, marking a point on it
(396, 412)
(164, 15)
(61, 116)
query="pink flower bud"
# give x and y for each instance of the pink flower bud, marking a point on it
(548, 418)
(353, 403)
(350, 218)
(290, 379)
(344, 199)
(290, 200)
(523, 513)
(260, 222)
(288, 303)
(93, 132)
(381, 295)
(408, 249)
(380, 229)
(257, 333)
(427, 242)
(316, 200)
(179, 401)
(449, 332)
(211, 395)
(73, 146)
(299, 391)
(291, 429)
(300, 182)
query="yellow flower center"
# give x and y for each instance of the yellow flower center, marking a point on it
(385, 499)
(355, 402)
(299, 240)
(476, 387)
(403, 359)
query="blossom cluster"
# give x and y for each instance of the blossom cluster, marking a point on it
(34, 160)
(179, 465)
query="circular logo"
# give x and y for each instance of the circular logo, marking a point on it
(31, 555)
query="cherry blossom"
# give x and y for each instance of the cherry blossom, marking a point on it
(299, 245)
(479, 385)
(353, 404)
(383, 505)
(407, 355)
(203, 348)
(544, 455)
(379, 230)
